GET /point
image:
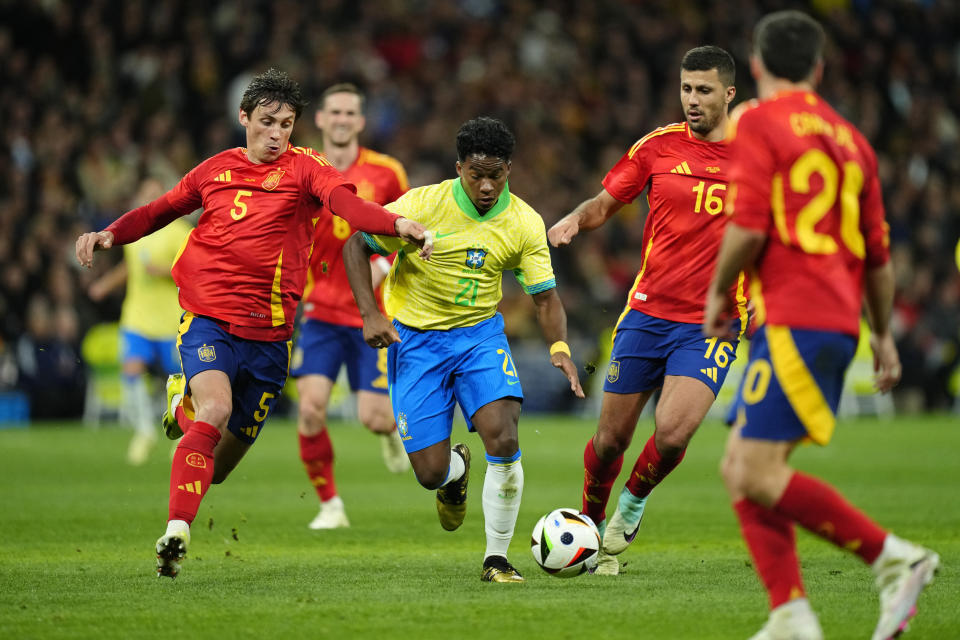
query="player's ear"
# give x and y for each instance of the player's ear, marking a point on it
(818, 73)
(459, 169)
(243, 118)
(318, 119)
(731, 93)
(756, 66)
(363, 123)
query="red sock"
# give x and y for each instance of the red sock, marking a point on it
(821, 509)
(772, 544)
(192, 471)
(317, 455)
(185, 414)
(650, 470)
(598, 479)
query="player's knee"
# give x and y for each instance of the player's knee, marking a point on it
(671, 443)
(431, 478)
(313, 416)
(215, 412)
(375, 419)
(610, 444)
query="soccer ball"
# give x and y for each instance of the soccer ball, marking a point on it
(565, 543)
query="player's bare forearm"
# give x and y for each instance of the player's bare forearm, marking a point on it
(738, 252)
(111, 280)
(356, 260)
(878, 295)
(588, 215)
(553, 324)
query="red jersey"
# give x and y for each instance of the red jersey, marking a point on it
(245, 264)
(686, 182)
(808, 179)
(328, 297)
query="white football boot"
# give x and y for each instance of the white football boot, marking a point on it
(903, 569)
(793, 620)
(172, 548)
(332, 515)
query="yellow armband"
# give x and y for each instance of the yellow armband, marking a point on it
(560, 347)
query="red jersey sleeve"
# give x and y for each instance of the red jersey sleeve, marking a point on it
(752, 159)
(142, 221)
(873, 225)
(628, 178)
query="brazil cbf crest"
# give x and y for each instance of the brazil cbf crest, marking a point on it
(613, 371)
(207, 353)
(402, 424)
(476, 258)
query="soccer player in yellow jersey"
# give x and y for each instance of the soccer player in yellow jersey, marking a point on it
(446, 343)
(149, 319)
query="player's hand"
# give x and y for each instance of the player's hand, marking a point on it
(563, 362)
(417, 234)
(90, 242)
(716, 320)
(886, 362)
(378, 332)
(564, 231)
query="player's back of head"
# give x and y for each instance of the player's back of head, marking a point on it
(485, 136)
(790, 44)
(273, 86)
(710, 57)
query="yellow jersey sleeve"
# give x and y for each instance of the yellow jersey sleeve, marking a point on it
(535, 272)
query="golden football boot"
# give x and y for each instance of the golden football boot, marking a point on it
(452, 498)
(176, 393)
(499, 569)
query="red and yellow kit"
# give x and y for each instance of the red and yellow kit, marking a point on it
(246, 262)
(686, 182)
(328, 298)
(808, 179)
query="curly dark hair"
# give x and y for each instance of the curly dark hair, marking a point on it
(485, 136)
(272, 86)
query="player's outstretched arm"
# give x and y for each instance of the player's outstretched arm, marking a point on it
(87, 243)
(372, 218)
(738, 251)
(588, 215)
(553, 324)
(879, 285)
(377, 330)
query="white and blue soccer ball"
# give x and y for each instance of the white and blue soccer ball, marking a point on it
(565, 543)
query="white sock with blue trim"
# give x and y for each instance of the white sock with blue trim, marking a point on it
(456, 468)
(502, 490)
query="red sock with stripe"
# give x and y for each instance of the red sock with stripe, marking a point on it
(770, 538)
(598, 479)
(192, 470)
(317, 455)
(821, 509)
(651, 468)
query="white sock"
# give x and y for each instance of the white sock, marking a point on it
(456, 468)
(502, 490)
(136, 400)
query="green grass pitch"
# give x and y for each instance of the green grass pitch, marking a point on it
(77, 529)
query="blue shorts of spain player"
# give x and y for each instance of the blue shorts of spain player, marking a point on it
(430, 370)
(322, 348)
(645, 349)
(161, 354)
(257, 370)
(793, 383)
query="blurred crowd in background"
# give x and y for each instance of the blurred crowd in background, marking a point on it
(97, 95)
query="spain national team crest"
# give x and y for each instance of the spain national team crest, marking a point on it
(402, 425)
(272, 180)
(196, 460)
(613, 371)
(476, 258)
(207, 353)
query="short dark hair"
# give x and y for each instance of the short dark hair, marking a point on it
(711, 57)
(790, 43)
(272, 86)
(343, 87)
(485, 136)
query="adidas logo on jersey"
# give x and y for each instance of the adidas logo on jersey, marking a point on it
(223, 177)
(710, 372)
(683, 168)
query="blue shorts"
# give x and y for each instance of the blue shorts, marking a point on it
(430, 370)
(257, 370)
(322, 348)
(792, 385)
(161, 354)
(645, 349)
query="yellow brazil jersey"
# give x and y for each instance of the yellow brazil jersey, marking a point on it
(461, 283)
(151, 307)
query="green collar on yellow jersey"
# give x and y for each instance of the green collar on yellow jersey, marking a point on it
(466, 204)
